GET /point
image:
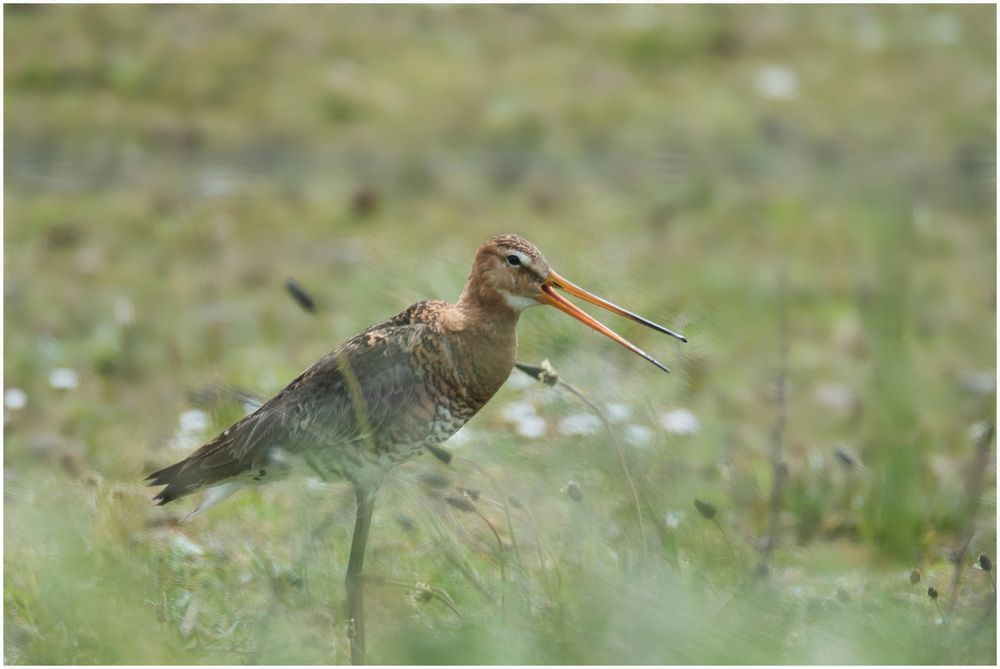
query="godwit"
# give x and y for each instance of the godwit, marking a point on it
(400, 387)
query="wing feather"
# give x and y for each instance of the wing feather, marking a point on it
(321, 408)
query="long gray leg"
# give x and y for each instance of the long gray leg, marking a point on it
(355, 577)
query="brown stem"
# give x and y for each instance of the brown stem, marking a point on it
(621, 459)
(779, 471)
(974, 486)
(431, 592)
(725, 535)
(503, 558)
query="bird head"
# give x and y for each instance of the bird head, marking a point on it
(511, 270)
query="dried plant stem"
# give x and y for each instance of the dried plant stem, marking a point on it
(545, 572)
(991, 605)
(940, 612)
(502, 558)
(538, 540)
(462, 569)
(621, 459)
(779, 472)
(510, 531)
(506, 508)
(432, 592)
(725, 536)
(974, 486)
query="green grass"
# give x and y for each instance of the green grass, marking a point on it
(167, 168)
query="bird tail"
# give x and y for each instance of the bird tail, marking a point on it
(180, 479)
(216, 462)
(248, 452)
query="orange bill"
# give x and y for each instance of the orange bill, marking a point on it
(551, 297)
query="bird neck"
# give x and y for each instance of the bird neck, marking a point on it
(485, 343)
(485, 309)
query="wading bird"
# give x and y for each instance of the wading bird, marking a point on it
(400, 387)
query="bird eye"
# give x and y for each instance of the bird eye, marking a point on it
(513, 260)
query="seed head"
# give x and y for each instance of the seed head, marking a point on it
(914, 577)
(846, 458)
(301, 297)
(550, 376)
(545, 373)
(433, 480)
(572, 488)
(364, 201)
(932, 592)
(984, 562)
(706, 510)
(460, 503)
(439, 453)
(405, 523)
(422, 592)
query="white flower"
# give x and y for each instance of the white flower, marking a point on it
(192, 426)
(579, 424)
(185, 546)
(64, 378)
(680, 421)
(837, 397)
(530, 427)
(638, 435)
(124, 312)
(978, 382)
(525, 419)
(217, 181)
(674, 518)
(519, 380)
(816, 461)
(15, 398)
(462, 437)
(314, 483)
(776, 82)
(515, 411)
(978, 430)
(194, 420)
(617, 412)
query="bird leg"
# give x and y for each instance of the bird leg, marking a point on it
(354, 582)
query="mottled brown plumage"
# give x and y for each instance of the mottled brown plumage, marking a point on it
(418, 377)
(401, 386)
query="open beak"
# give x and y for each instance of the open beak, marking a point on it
(551, 297)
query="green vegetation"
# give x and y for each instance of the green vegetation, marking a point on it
(167, 168)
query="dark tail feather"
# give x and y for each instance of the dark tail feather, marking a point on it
(230, 454)
(179, 480)
(208, 466)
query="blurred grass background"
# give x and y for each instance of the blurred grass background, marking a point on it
(167, 168)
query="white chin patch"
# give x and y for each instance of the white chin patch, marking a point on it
(518, 302)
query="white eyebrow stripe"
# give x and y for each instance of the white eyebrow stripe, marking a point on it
(525, 260)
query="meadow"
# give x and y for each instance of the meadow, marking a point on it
(807, 193)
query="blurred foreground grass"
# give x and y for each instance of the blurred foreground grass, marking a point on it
(167, 168)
